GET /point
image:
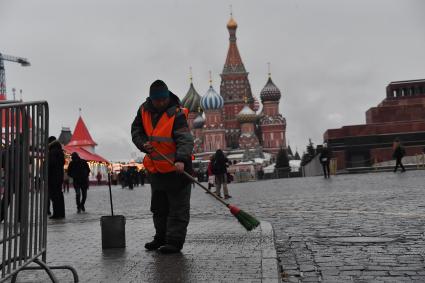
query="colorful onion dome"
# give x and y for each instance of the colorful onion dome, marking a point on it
(246, 115)
(212, 100)
(192, 99)
(199, 121)
(270, 92)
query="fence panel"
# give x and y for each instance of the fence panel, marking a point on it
(24, 188)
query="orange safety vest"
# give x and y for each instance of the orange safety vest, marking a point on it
(161, 138)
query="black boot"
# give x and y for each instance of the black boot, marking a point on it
(169, 249)
(154, 245)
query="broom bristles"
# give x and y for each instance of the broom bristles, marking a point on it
(248, 221)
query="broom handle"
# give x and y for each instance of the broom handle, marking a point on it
(110, 193)
(192, 179)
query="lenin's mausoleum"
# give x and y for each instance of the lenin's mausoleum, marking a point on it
(400, 115)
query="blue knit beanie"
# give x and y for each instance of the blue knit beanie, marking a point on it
(158, 90)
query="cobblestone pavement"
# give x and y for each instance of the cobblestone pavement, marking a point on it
(217, 249)
(361, 228)
(227, 254)
(350, 228)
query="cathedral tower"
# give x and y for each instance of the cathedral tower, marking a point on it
(191, 101)
(234, 87)
(272, 124)
(214, 131)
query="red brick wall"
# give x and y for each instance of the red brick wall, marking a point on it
(395, 113)
(375, 129)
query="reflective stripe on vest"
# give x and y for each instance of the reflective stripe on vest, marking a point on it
(161, 138)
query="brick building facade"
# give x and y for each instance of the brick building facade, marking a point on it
(400, 115)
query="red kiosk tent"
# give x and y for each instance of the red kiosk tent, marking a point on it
(82, 143)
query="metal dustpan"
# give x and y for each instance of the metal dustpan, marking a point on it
(112, 226)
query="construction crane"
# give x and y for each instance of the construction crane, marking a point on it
(3, 57)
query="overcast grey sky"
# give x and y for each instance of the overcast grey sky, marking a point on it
(332, 59)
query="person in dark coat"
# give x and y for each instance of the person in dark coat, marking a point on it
(219, 165)
(79, 171)
(11, 172)
(398, 153)
(142, 177)
(170, 198)
(325, 160)
(211, 177)
(99, 178)
(56, 161)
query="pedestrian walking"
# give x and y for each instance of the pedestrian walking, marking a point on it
(99, 178)
(56, 161)
(219, 169)
(79, 170)
(161, 124)
(65, 186)
(398, 153)
(211, 177)
(325, 160)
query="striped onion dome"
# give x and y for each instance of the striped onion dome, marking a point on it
(192, 99)
(212, 100)
(246, 115)
(199, 121)
(270, 92)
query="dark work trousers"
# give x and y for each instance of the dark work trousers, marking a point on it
(326, 170)
(397, 163)
(49, 200)
(56, 196)
(80, 190)
(170, 205)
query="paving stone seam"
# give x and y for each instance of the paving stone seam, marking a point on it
(269, 260)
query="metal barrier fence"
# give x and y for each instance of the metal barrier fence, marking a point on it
(23, 188)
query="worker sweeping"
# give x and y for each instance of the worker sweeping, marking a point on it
(160, 129)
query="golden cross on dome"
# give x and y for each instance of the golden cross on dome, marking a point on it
(268, 68)
(231, 11)
(210, 78)
(79, 111)
(190, 74)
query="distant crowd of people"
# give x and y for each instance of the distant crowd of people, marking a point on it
(129, 177)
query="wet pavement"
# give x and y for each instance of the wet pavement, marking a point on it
(217, 249)
(351, 228)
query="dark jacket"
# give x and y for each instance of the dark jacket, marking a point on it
(55, 165)
(219, 166)
(79, 171)
(399, 152)
(181, 133)
(325, 155)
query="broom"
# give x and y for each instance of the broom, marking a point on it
(248, 221)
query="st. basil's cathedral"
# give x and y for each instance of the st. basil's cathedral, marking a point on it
(229, 120)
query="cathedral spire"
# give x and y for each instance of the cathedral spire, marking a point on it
(233, 62)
